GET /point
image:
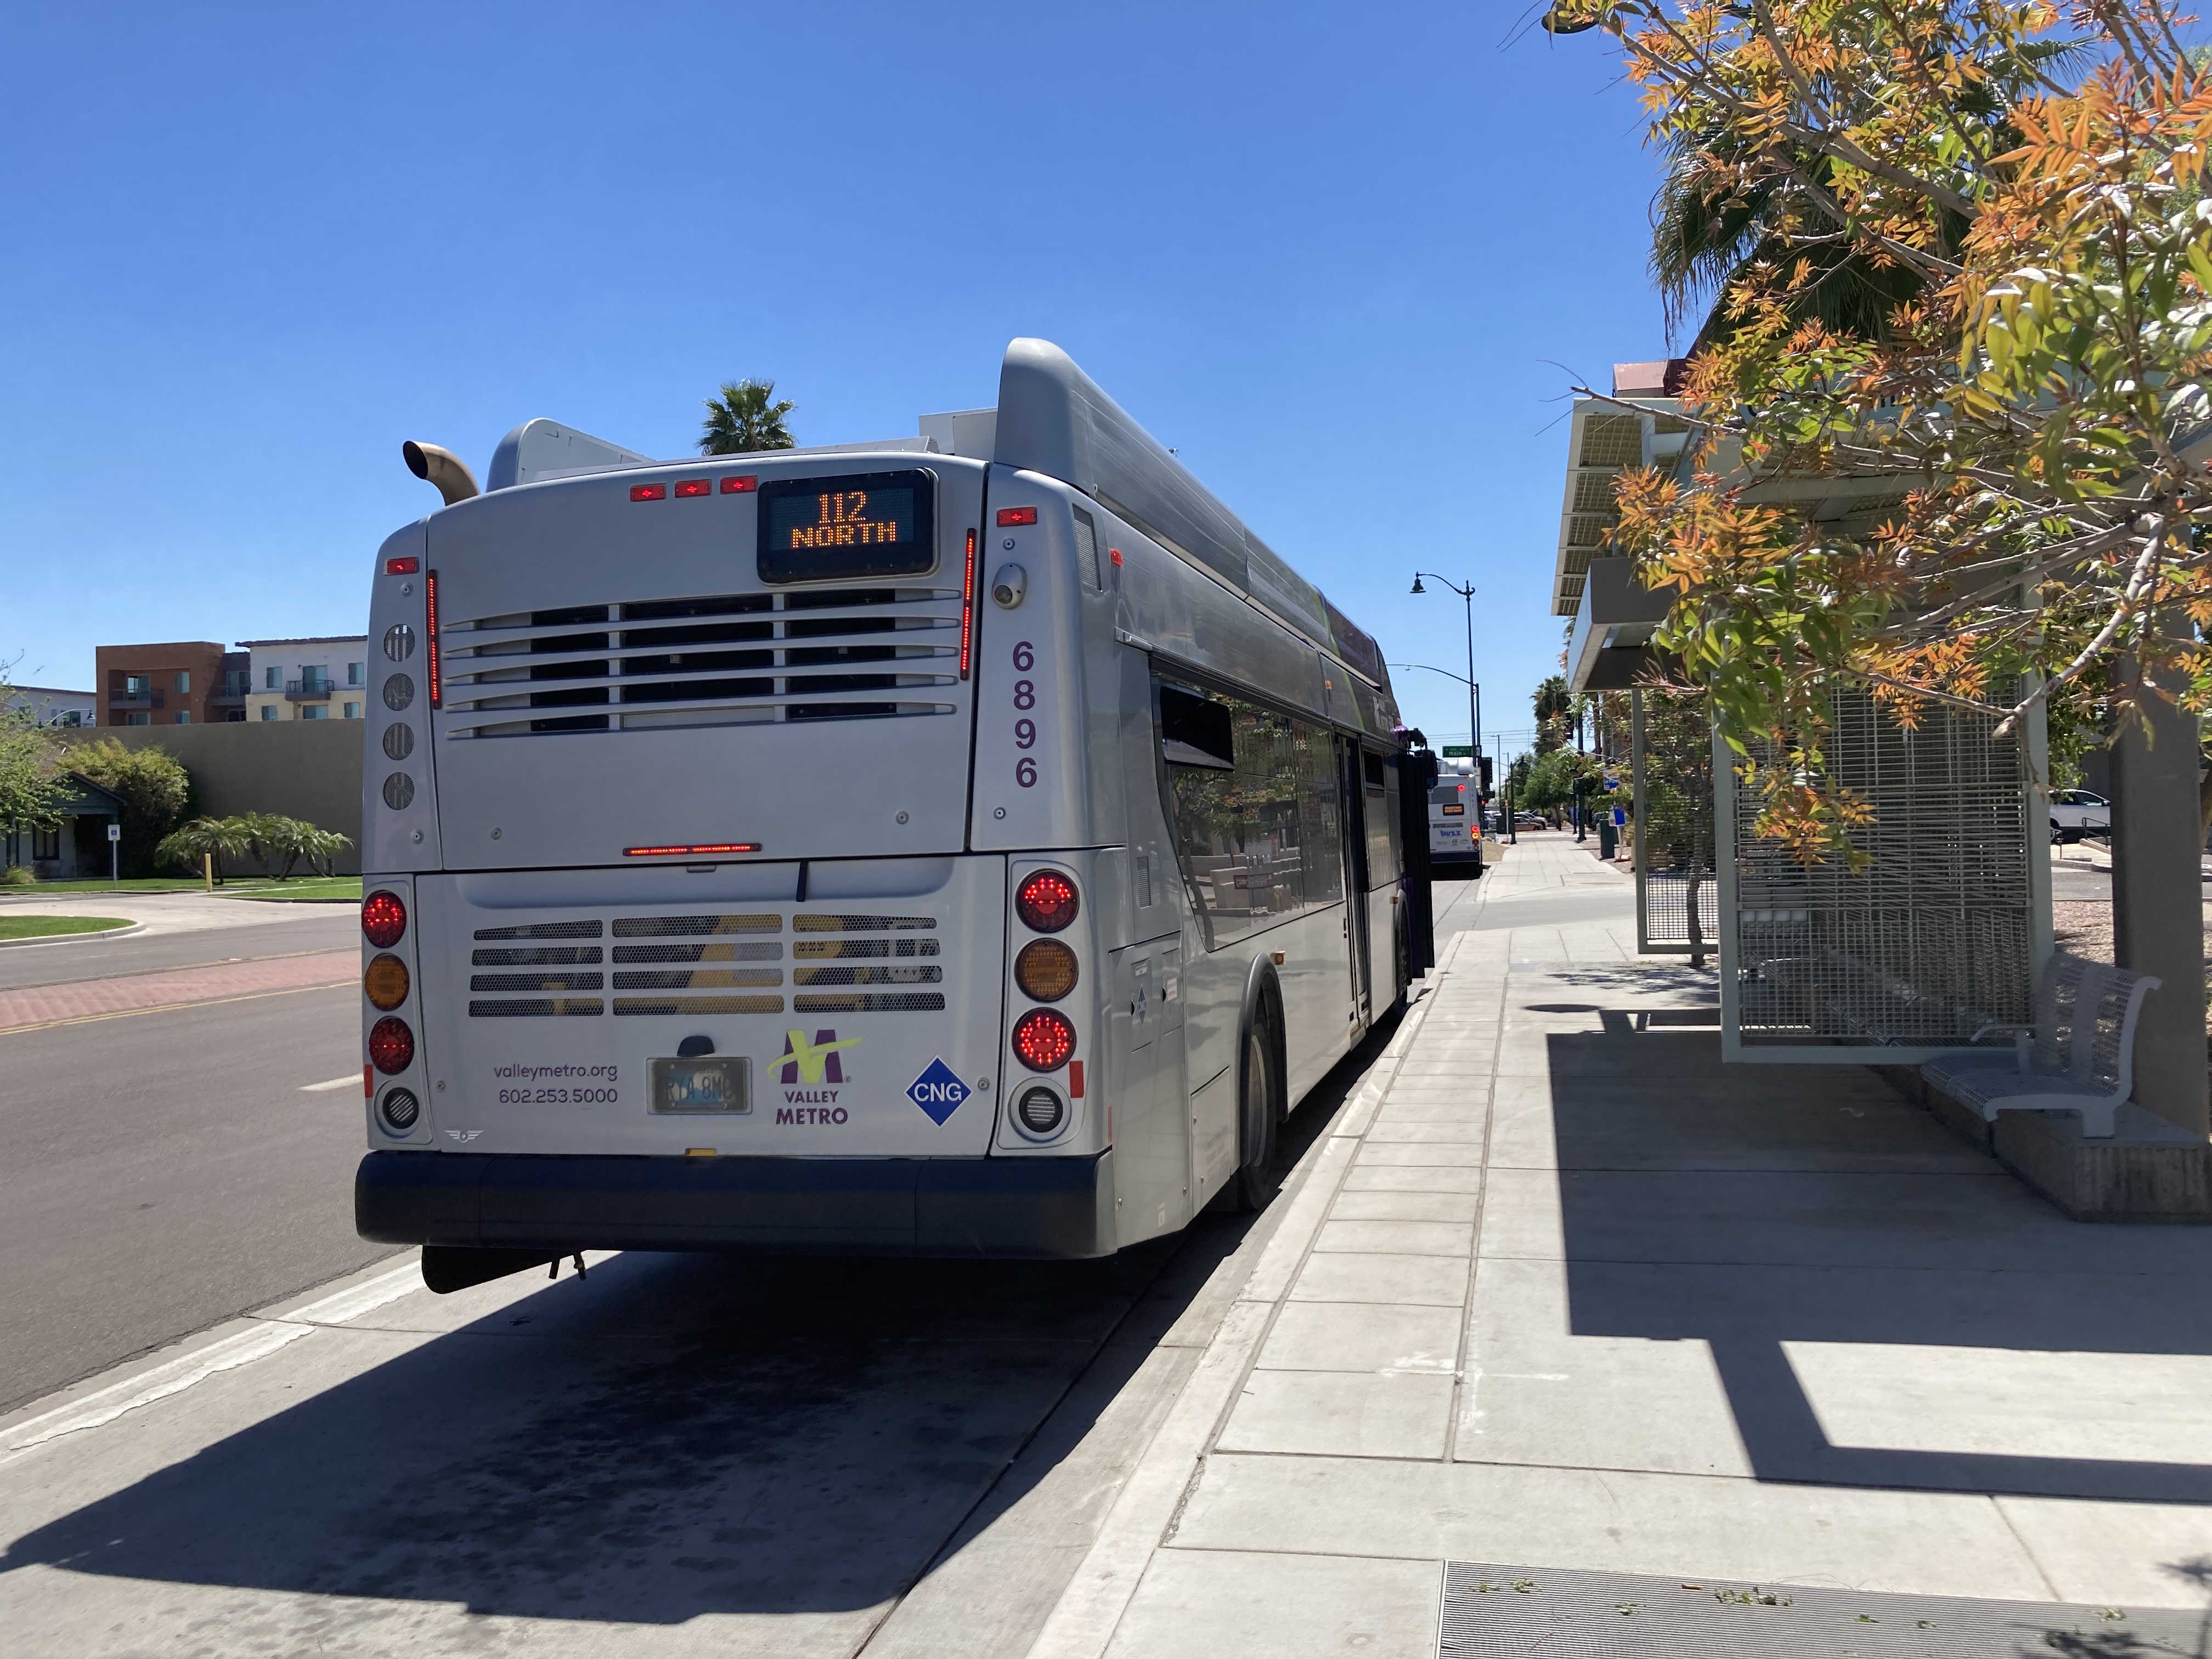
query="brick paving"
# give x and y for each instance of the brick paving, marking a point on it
(92, 998)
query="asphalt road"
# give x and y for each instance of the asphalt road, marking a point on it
(160, 1172)
(94, 957)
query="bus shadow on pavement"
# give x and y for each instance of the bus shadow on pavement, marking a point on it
(1799, 1220)
(673, 1435)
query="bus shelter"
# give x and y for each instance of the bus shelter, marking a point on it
(1927, 938)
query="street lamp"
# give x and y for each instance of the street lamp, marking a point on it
(1473, 691)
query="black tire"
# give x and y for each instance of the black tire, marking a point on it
(1255, 1181)
(2058, 836)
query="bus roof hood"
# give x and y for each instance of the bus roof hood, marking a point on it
(1055, 419)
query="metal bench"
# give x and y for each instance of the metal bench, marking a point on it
(2081, 1058)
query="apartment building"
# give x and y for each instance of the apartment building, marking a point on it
(322, 678)
(177, 682)
(51, 705)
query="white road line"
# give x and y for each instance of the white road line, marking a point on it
(242, 1348)
(350, 1080)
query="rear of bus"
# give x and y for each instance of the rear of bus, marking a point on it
(1455, 826)
(692, 917)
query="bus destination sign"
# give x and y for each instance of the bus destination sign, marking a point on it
(862, 524)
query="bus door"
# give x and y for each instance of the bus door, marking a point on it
(1352, 787)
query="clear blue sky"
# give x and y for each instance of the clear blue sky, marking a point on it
(1333, 255)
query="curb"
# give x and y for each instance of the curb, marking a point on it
(1082, 1624)
(74, 938)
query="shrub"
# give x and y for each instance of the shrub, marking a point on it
(153, 788)
(16, 876)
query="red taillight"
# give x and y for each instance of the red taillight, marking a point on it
(1011, 516)
(743, 486)
(648, 492)
(1042, 1040)
(968, 610)
(1046, 902)
(383, 918)
(687, 488)
(707, 847)
(406, 567)
(430, 638)
(390, 1045)
(1114, 554)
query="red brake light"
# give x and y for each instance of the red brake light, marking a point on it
(1046, 902)
(686, 487)
(1114, 553)
(743, 486)
(707, 846)
(1011, 516)
(390, 1045)
(967, 609)
(406, 567)
(1042, 1040)
(383, 918)
(430, 638)
(648, 492)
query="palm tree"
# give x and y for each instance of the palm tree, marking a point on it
(744, 419)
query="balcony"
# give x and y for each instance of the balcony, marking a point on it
(137, 700)
(308, 690)
(232, 694)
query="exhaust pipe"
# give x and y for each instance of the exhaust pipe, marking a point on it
(441, 466)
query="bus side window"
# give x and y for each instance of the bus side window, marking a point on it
(1087, 550)
(1381, 820)
(1241, 785)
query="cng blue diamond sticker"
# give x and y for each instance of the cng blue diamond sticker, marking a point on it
(938, 1091)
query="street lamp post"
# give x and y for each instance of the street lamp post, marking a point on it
(1473, 691)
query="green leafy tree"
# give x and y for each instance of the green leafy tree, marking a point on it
(32, 790)
(154, 789)
(747, 416)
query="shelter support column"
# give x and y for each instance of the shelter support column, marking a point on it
(2158, 924)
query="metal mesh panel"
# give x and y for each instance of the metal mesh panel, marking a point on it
(696, 979)
(545, 955)
(663, 927)
(537, 981)
(818, 922)
(1924, 940)
(746, 952)
(698, 1004)
(1678, 900)
(866, 975)
(535, 1009)
(543, 930)
(871, 1002)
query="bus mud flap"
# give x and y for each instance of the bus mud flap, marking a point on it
(450, 1267)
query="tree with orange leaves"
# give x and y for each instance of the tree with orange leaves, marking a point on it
(2034, 180)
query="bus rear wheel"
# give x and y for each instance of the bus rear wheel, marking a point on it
(1255, 1181)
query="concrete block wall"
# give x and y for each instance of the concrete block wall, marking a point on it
(306, 770)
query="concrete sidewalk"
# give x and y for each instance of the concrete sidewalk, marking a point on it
(1561, 1290)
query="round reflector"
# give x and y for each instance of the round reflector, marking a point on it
(390, 1045)
(1040, 1111)
(1046, 902)
(1045, 971)
(1043, 1040)
(383, 918)
(399, 1109)
(386, 982)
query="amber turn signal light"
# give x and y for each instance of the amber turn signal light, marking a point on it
(1045, 971)
(385, 984)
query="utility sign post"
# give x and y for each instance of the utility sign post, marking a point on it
(114, 853)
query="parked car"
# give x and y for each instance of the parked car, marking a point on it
(2076, 812)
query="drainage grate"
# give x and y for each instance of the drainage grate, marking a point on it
(1493, 1611)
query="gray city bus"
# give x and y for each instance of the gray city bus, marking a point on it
(967, 844)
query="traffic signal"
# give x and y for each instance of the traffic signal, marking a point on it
(1486, 774)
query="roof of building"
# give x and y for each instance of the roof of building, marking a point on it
(163, 645)
(52, 690)
(310, 638)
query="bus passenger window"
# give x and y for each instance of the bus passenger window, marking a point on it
(1086, 549)
(1238, 778)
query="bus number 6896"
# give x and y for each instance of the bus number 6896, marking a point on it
(1025, 733)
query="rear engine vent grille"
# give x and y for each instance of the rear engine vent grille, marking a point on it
(702, 964)
(903, 1002)
(823, 654)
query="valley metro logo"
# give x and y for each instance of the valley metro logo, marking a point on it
(812, 1064)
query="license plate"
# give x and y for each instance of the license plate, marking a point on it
(693, 1088)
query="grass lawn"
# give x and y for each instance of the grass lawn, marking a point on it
(135, 884)
(55, 927)
(300, 890)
